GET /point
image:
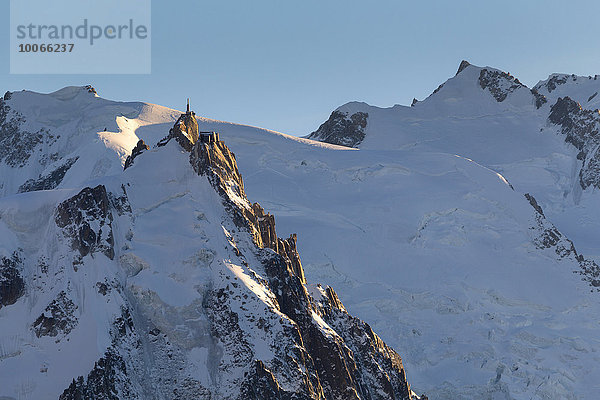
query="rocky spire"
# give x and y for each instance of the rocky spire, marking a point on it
(185, 130)
(463, 64)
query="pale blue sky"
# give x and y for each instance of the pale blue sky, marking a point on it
(285, 65)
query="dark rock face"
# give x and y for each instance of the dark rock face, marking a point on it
(58, 318)
(463, 64)
(216, 161)
(580, 128)
(555, 81)
(139, 148)
(534, 204)
(16, 143)
(500, 84)
(265, 224)
(113, 376)
(342, 129)
(548, 237)
(90, 89)
(540, 99)
(438, 89)
(103, 382)
(259, 383)
(12, 285)
(370, 352)
(86, 219)
(185, 132)
(120, 202)
(355, 364)
(590, 172)
(50, 181)
(567, 113)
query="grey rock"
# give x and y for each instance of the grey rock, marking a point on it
(106, 381)
(463, 64)
(139, 148)
(12, 285)
(16, 143)
(581, 128)
(49, 181)
(58, 318)
(540, 99)
(555, 81)
(342, 129)
(547, 236)
(499, 83)
(76, 216)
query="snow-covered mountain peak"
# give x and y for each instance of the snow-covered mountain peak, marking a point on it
(71, 92)
(477, 88)
(583, 89)
(354, 107)
(473, 93)
(463, 64)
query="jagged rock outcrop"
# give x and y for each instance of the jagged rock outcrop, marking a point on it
(372, 352)
(265, 224)
(350, 365)
(113, 376)
(49, 181)
(580, 128)
(185, 131)
(463, 64)
(57, 318)
(87, 220)
(499, 83)
(214, 159)
(555, 81)
(90, 89)
(12, 285)
(103, 382)
(540, 99)
(342, 129)
(17, 143)
(259, 384)
(547, 236)
(139, 148)
(534, 204)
